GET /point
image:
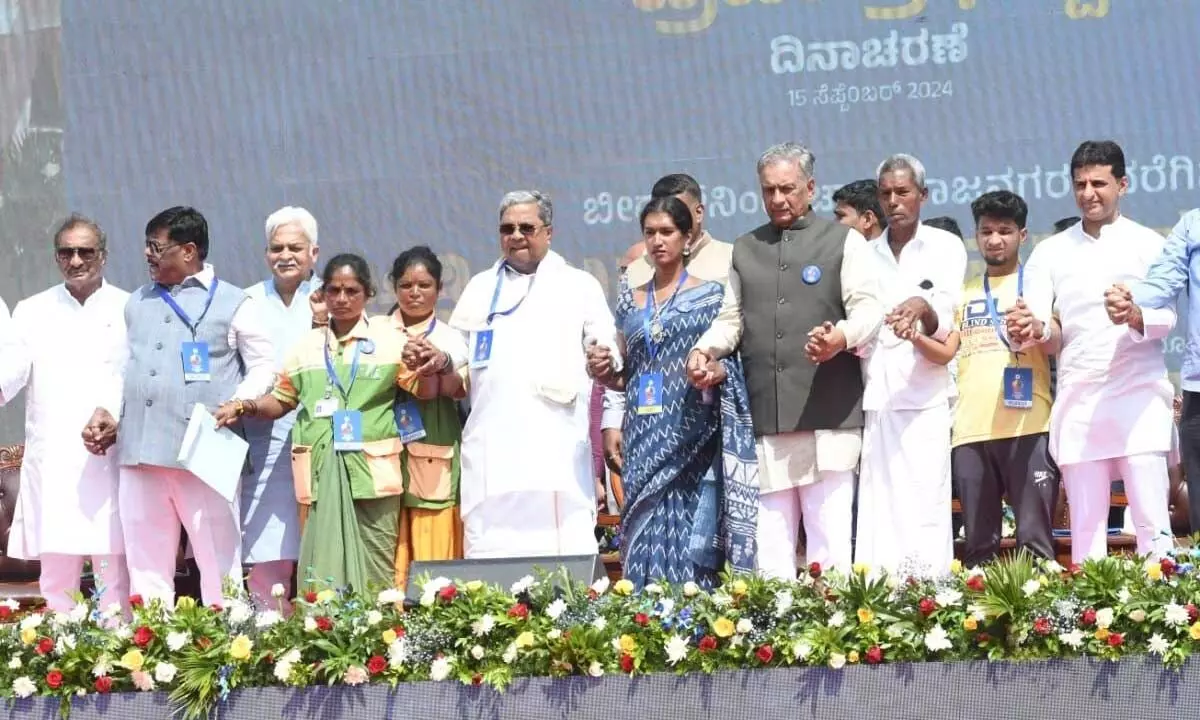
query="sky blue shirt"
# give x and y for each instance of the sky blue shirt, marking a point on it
(1177, 268)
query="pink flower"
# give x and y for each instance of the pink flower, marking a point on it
(142, 681)
(355, 675)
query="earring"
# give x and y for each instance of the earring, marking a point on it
(687, 252)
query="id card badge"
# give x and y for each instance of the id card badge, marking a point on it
(481, 349)
(325, 407)
(195, 362)
(1018, 387)
(347, 430)
(649, 394)
(408, 422)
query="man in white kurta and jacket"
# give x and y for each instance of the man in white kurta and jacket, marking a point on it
(68, 352)
(527, 486)
(1112, 417)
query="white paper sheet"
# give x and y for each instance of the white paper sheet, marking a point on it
(215, 456)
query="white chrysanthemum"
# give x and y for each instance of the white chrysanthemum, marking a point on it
(554, 634)
(398, 653)
(164, 672)
(744, 626)
(721, 599)
(1104, 618)
(800, 651)
(391, 596)
(948, 597)
(440, 669)
(1175, 614)
(1053, 567)
(510, 654)
(33, 620)
(435, 584)
(176, 640)
(666, 606)
(239, 612)
(937, 639)
(556, 609)
(1031, 587)
(477, 652)
(837, 619)
(1124, 596)
(1073, 639)
(837, 661)
(65, 644)
(1158, 645)
(677, 649)
(310, 624)
(595, 669)
(483, 625)
(690, 589)
(653, 589)
(600, 623)
(14, 662)
(103, 667)
(374, 617)
(783, 603)
(124, 632)
(23, 687)
(522, 585)
(80, 612)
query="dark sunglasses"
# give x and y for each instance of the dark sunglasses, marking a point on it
(525, 229)
(85, 254)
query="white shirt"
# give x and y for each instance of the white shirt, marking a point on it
(248, 333)
(67, 357)
(932, 265)
(1114, 396)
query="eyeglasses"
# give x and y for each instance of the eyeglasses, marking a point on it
(525, 229)
(157, 250)
(85, 254)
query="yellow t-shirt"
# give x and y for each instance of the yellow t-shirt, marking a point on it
(980, 413)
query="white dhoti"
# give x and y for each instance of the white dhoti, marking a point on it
(529, 524)
(904, 513)
(156, 503)
(1089, 493)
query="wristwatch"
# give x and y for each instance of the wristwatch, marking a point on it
(1045, 336)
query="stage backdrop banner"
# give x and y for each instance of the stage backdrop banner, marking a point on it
(404, 123)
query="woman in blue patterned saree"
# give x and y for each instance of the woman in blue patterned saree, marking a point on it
(691, 494)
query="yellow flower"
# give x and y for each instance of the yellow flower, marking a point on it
(389, 636)
(738, 587)
(525, 640)
(1042, 580)
(956, 566)
(1194, 630)
(723, 627)
(861, 568)
(240, 648)
(28, 635)
(326, 596)
(852, 657)
(474, 585)
(623, 587)
(133, 660)
(183, 602)
(865, 615)
(1102, 634)
(970, 624)
(1154, 571)
(627, 643)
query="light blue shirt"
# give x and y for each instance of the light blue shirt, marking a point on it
(1177, 268)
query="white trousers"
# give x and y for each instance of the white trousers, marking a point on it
(156, 503)
(904, 514)
(265, 575)
(1089, 493)
(825, 508)
(529, 524)
(60, 574)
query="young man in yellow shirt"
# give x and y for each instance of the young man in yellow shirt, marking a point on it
(1002, 419)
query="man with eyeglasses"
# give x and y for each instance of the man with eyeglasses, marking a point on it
(193, 338)
(527, 482)
(68, 350)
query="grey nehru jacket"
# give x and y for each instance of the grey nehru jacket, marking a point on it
(157, 402)
(790, 283)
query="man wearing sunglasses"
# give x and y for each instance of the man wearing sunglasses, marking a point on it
(67, 347)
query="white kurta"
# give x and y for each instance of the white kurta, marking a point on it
(527, 485)
(270, 515)
(73, 359)
(1114, 398)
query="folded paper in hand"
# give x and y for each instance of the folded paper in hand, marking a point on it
(216, 456)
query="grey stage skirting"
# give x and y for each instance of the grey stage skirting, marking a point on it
(1134, 689)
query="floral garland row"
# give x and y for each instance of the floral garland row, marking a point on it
(474, 633)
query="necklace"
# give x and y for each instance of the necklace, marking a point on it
(657, 331)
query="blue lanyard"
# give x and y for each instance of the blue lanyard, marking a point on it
(333, 376)
(170, 301)
(492, 314)
(651, 306)
(991, 306)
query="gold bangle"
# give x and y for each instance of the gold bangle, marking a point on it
(239, 408)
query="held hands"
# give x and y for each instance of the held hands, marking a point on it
(824, 342)
(1020, 324)
(228, 413)
(905, 319)
(316, 303)
(600, 366)
(100, 433)
(703, 372)
(421, 357)
(1118, 303)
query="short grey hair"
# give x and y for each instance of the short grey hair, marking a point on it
(903, 161)
(293, 216)
(545, 207)
(789, 152)
(76, 220)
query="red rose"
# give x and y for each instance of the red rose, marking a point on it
(310, 597)
(142, 636)
(874, 655)
(642, 619)
(520, 610)
(376, 665)
(1115, 639)
(1075, 569)
(1193, 613)
(1167, 566)
(764, 653)
(814, 570)
(135, 601)
(1088, 617)
(975, 583)
(399, 630)
(447, 593)
(626, 663)
(54, 679)
(1041, 626)
(476, 679)
(324, 624)
(44, 646)
(103, 684)
(927, 606)
(5, 612)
